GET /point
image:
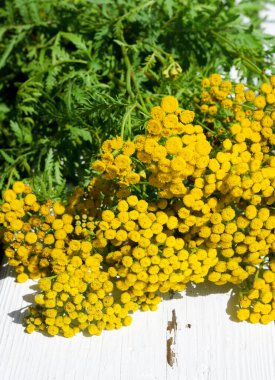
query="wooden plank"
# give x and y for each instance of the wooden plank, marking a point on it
(208, 345)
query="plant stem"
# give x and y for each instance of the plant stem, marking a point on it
(126, 118)
(128, 72)
(138, 91)
(130, 75)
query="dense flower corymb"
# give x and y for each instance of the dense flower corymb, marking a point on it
(175, 206)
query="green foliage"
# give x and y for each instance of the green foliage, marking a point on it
(51, 183)
(75, 72)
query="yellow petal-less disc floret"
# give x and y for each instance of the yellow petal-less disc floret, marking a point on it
(169, 104)
(18, 187)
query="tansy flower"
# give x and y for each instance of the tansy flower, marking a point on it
(67, 218)
(170, 121)
(212, 110)
(205, 82)
(57, 224)
(112, 171)
(122, 161)
(154, 127)
(116, 143)
(159, 153)
(107, 146)
(133, 178)
(49, 239)
(149, 145)
(227, 144)
(58, 208)
(203, 147)
(31, 237)
(169, 104)
(187, 116)
(22, 277)
(259, 101)
(16, 225)
(75, 245)
(250, 212)
(121, 235)
(139, 142)
(215, 218)
(128, 148)
(141, 206)
(30, 199)
(239, 88)
(107, 215)
(263, 214)
(268, 276)
(243, 314)
(172, 222)
(270, 99)
(173, 145)
(270, 223)
(18, 187)
(227, 103)
(204, 108)
(132, 200)
(157, 113)
(266, 88)
(215, 80)
(9, 195)
(178, 163)
(86, 246)
(44, 284)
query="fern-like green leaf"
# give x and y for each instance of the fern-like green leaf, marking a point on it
(6, 157)
(80, 132)
(49, 162)
(17, 131)
(58, 175)
(76, 39)
(9, 48)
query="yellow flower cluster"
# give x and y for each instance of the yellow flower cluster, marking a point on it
(36, 235)
(144, 252)
(172, 150)
(218, 208)
(184, 203)
(215, 96)
(258, 303)
(242, 174)
(173, 159)
(116, 163)
(79, 298)
(46, 241)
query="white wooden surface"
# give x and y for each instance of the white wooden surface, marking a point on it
(212, 348)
